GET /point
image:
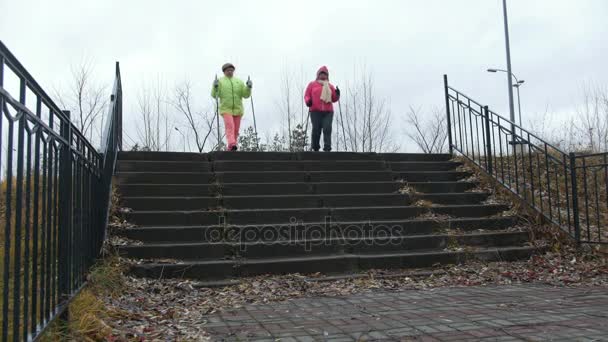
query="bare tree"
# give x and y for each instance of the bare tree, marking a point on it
(430, 135)
(593, 118)
(153, 127)
(287, 102)
(199, 122)
(585, 131)
(85, 98)
(365, 122)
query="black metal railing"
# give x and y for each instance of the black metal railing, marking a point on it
(590, 183)
(552, 182)
(54, 200)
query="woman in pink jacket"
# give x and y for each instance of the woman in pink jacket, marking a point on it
(319, 97)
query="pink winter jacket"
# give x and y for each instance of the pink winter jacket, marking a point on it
(313, 94)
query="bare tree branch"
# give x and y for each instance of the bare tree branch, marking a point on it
(84, 98)
(429, 135)
(199, 122)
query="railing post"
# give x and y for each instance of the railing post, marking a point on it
(447, 110)
(119, 107)
(575, 209)
(65, 210)
(489, 165)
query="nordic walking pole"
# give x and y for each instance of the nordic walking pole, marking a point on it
(255, 126)
(217, 112)
(342, 121)
(306, 129)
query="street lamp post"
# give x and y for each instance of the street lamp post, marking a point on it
(508, 48)
(518, 83)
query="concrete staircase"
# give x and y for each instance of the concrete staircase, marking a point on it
(231, 214)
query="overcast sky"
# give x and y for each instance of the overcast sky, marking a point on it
(557, 45)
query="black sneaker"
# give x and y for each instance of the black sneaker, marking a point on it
(234, 148)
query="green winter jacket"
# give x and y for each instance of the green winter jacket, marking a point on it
(231, 92)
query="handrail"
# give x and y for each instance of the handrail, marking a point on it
(507, 120)
(13, 63)
(55, 200)
(564, 188)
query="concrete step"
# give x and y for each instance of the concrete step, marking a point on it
(414, 157)
(452, 198)
(315, 201)
(124, 178)
(235, 233)
(322, 246)
(163, 166)
(240, 155)
(295, 201)
(299, 165)
(252, 177)
(162, 156)
(249, 189)
(265, 202)
(423, 166)
(331, 264)
(430, 176)
(442, 187)
(300, 188)
(294, 215)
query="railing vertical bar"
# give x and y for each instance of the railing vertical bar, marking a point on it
(540, 184)
(523, 170)
(35, 220)
(570, 224)
(515, 161)
(532, 190)
(550, 204)
(479, 149)
(509, 174)
(56, 214)
(575, 208)
(489, 164)
(447, 108)
(460, 141)
(26, 264)
(455, 141)
(18, 215)
(502, 158)
(597, 204)
(7, 231)
(471, 129)
(50, 177)
(587, 220)
(605, 167)
(558, 199)
(64, 227)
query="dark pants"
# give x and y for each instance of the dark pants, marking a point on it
(321, 121)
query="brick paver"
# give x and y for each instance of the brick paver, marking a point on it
(493, 313)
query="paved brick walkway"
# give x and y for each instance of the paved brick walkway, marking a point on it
(504, 313)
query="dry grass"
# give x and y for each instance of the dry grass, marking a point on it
(547, 184)
(423, 204)
(87, 312)
(23, 247)
(536, 224)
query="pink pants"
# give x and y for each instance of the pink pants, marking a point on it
(232, 123)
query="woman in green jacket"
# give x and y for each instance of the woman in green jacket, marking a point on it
(231, 91)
